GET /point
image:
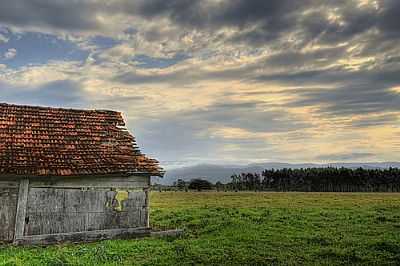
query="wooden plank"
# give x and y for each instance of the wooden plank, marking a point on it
(147, 208)
(76, 200)
(45, 200)
(54, 210)
(52, 223)
(87, 236)
(21, 209)
(8, 184)
(131, 182)
(8, 208)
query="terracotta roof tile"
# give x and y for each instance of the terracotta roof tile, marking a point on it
(44, 141)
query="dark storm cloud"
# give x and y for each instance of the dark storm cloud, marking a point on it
(296, 58)
(305, 76)
(350, 100)
(378, 76)
(352, 21)
(343, 92)
(273, 15)
(389, 21)
(260, 21)
(237, 13)
(385, 119)
(256, 21)
(70, 15)
(253, 116)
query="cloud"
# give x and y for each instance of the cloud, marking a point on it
(180, 76)
(63, 93)
(37, 75)
(70, 15)
(3, 39)
(254, 116)
(259, 22)
(302, 59)
(388, 21)
(375, 120)
(238, 13)
(217, 79)
(350, 100)
(10, 53)
(40, 48)
(254, 22)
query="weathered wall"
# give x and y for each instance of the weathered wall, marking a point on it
(56, 210)
(8, 206)
(76, 205)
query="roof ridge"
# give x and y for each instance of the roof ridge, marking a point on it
(59, 108)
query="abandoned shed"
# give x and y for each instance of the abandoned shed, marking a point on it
(70, 175)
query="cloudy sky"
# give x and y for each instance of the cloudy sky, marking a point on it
(217, 81)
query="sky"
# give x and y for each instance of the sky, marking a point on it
(217, 81)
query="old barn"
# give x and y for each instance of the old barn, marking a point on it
(70, 175)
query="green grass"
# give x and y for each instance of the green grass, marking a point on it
(247, 228)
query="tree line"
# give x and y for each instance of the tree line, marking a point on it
(328, 179)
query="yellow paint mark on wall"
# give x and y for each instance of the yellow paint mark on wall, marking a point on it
(120, 197)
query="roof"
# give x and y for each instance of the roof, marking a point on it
(45, 141)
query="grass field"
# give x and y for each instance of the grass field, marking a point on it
(247, 228)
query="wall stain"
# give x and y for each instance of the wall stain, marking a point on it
(120, 197)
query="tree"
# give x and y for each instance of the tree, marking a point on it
(181, 184)
(219, 186)
(200, 184)
(319, 179)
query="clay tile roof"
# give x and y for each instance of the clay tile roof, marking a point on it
(43, 141)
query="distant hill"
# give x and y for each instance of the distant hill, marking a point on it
(223, 173)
